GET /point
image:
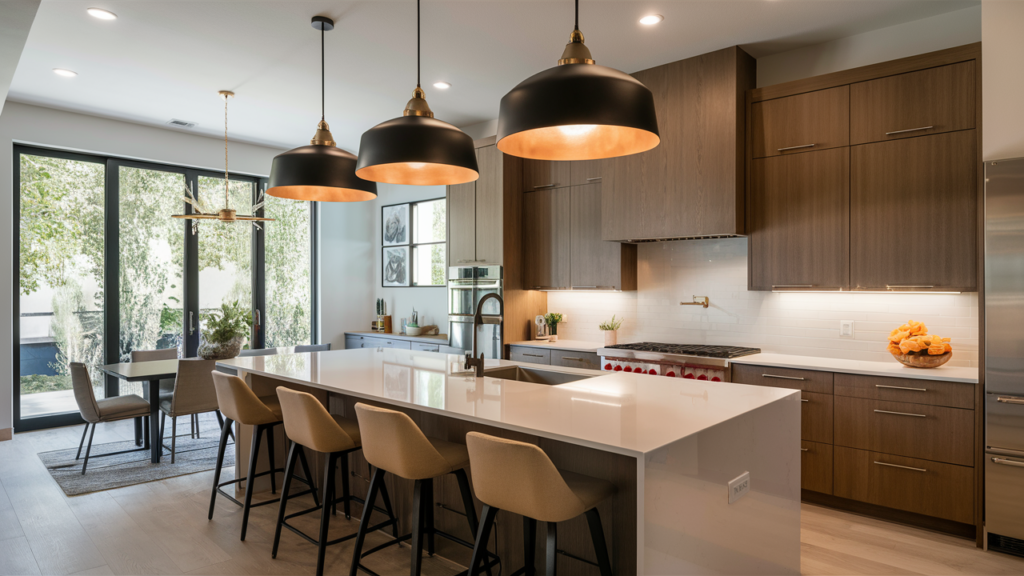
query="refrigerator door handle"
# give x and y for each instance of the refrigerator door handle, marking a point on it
(1010, 399)
(1008, 462)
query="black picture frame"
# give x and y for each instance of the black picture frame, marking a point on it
(409, 245)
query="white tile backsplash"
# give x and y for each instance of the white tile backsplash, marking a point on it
(788, 323)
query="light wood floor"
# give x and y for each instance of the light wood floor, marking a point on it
(161, 528)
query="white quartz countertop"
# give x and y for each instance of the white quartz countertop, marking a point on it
(629, 414)
(573, 345)
(891, 369)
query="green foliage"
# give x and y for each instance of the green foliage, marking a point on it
(36, 383)
(228, 323)
(288, 275)
(612, 324)
(553, 318)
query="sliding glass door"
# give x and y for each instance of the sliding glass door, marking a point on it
(103, 270)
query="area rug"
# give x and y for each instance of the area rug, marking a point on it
(191, 455)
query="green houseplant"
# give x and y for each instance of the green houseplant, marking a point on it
(610, 329)
(553, 319)
(224, 331)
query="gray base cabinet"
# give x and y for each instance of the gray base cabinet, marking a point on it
(555, 357)
(383, 341)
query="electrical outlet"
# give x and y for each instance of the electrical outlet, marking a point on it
(739, 487)
(846, 328)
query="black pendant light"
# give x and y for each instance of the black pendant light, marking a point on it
(417, 148)
(577, 111)
(320, 172)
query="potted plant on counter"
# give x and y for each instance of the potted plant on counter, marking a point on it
(611, 331)
(553, 319)
(224, 331)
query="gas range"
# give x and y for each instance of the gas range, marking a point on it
(693, 361)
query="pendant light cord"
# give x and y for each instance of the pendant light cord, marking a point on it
(418, 43)
(577, 14)
(322, 73)
(226, 151)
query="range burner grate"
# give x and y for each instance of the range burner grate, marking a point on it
(689, 349)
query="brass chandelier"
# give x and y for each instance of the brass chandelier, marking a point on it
(200, 211)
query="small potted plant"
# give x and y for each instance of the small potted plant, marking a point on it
(610, 329)
(224, 331)
(553, 319)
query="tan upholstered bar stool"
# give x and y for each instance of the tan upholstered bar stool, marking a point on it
(309, 424)
(240, 404)
(392, 442)
(521, 479)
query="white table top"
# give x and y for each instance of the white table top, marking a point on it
(573, 345)
(891, 369)
(628, 414)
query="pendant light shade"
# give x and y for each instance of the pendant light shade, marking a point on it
(577, 111)
(417, 148)
(320, 172)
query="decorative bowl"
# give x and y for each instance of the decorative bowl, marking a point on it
(923, 360)
(221, 350)
(412, 330)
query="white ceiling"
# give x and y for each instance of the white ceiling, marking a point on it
(167, 59)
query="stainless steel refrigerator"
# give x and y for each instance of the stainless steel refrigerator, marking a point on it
(1004, 355)
(467, 285)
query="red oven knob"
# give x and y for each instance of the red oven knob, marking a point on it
(670, 374)
(608, 366)
(716, 379)
(627, 369)
(702, 377)
(618, 368)
(690, 376)
(652, 372)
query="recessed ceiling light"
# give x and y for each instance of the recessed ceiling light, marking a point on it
(442, 85)
(101, 14)
(65, 73)
(651, 19)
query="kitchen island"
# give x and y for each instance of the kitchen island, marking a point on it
(670, 446)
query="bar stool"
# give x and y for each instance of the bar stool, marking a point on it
(240, 404)
(307, 423)
(393, 443)
(520, 478)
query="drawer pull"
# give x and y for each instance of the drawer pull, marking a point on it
(898, 466)
(1010, 399)
(774, 286)
(909, 130)
(804, 400)
(552, 185)
(903, 388)
(901, 413)
(572, 358)
(782, 377)
(804, 449)
(797, 147)
(891, 286)
(533, 355)
(1006, 462)
(594, 179)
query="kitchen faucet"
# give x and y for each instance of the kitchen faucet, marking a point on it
(479, 319)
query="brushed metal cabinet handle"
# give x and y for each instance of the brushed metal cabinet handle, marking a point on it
(910, 286)
(533, 355)
(909, 130)
(804, 400)
(572, 358)
(792, 286)
(553, 184)
(904, 388)
(901, 413)
(797, 147)
(898, 466)
(782, 377)
(1006, 462)
(804, 449)
(1010, 399)
(593, 179)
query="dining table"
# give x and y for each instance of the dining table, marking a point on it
(153, 372)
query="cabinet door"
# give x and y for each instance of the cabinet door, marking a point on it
(802, 123)
(914, 214)
(546, 244)
(542, 174)
(489, 191)
(595, 264)
(582, 172)
(914, 104)
(799, 221)
(462, 224)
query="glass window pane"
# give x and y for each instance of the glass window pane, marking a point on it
(225, 248)
(428, 263)
(60, 279)
(429, 221)
(287, 244)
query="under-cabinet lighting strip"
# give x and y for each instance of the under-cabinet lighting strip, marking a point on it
(861, 292)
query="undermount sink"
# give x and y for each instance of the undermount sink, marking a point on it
(533, 375)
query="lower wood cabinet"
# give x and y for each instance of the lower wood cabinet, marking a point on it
(816, 467)
(816, 417)
(529, 354)
(911, 484)
(936, 393)
(573, 359)
(806, 380)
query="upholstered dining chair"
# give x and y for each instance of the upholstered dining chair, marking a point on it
(313, 348)
(106, 410)
(193, 393)
(258, 352)
(167, 384)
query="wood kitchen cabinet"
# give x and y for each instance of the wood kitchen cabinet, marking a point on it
(461, 223)
(541, 174)
(799, 221)
(692, 183)
(596, 264)
(546, 239)
(583, 172)
(475, 213)
(914, 213)
(801, 123)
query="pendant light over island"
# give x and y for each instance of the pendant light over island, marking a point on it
(577, 110)
(417, 148)
(320, 172)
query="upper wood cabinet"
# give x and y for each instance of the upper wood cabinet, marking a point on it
(801, 123)
(596, 264)
(931, 101)
(585, 172)
(461, 224)
(546, 241)
(799, 224)
(544, 174)
(692, 184)
(914, 214)
(489, 194)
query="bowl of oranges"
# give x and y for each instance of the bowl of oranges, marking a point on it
(912, 346)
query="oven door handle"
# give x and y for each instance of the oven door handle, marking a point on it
(1008, 462)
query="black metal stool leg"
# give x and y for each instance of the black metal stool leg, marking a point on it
(419, 501)
(428, 507)
(376, 481)
(344, 486)
(325, 517)
(551, 552)
(309, 476)
(467, 499)
(273, 461)
(600, 547)
(82, 442)
(530, 542)
(251, 478)
(483, 535)
(387, 506)
(216, 471)
(289, 471)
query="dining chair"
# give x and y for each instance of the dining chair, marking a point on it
(193, 393)
(106, 410)
(313, 348)
(167, 384)
(258, 352)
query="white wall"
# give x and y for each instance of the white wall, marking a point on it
(346, 269)
(16, 17)
(918, 37)
(27, 124)
(790, 323)
(1002, 26)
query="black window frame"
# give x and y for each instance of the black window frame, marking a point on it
(411, 244)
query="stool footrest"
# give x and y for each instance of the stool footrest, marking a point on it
(264, 503)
